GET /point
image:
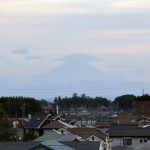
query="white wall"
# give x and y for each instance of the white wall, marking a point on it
(119, 141)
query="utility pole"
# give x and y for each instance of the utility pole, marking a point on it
(23, 112)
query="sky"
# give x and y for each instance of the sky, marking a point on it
(35, 36)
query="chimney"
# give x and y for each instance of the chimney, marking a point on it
(29, 116)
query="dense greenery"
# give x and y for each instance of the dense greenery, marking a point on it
(80, 101)
(124, 102)
(20, 106)
(7, 133)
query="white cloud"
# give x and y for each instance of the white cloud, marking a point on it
(36, 7)
(132, 4)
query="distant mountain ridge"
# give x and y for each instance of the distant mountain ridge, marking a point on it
(75, 68)
(75, 75)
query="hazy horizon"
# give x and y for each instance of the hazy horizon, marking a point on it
(108, 41)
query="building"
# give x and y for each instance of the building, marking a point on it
(88, 134)
(129, 135)
(36, 123)
(142, 107)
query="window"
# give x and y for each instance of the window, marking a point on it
(140, 140)
(92, 138)
(127, 141)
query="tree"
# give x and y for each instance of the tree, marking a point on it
(13, 106)
(7, 133)
(125, 102)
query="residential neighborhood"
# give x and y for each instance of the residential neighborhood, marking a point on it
(74, 74)
(123, 131)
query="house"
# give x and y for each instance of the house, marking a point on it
(88, 134)
(58, 125)
(36, 123)
(75, 145)
(18, 124)
(40, 123)
(130, 135)
(54, 125)
(144, 121)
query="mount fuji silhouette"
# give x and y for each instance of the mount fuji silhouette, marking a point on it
(75, 75)
(75, 68)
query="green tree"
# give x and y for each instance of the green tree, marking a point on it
(7, 133)
(13, 106)
(125, 102)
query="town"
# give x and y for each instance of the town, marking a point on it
(103, 125)
(74, 75)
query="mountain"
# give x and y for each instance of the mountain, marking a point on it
(75, 75)
(75, 68)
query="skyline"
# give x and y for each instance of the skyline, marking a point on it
(36, 35)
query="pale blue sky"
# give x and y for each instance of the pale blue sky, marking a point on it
(36, 34)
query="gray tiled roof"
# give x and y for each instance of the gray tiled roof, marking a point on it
(67, 137)
(50, 135)
(87, 132)
(36, 120)
(16, 145)
(128, 130)
(83, 145)
(50, 145)
(56, 145)
(54, 125)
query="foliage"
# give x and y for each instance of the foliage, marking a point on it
(80, 101)
(7, 133)
(125, 102)
(13, 106)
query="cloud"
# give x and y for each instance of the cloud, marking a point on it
(32, 57)
(21, 51)
(32, 7)
(136, 4)
(2, 57)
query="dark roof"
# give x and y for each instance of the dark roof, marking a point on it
(54, 125)
(87, 132)
(84, 145)
(124, 126)
(119, 148)
(128, 130)
(16, 145)
(37, 120)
